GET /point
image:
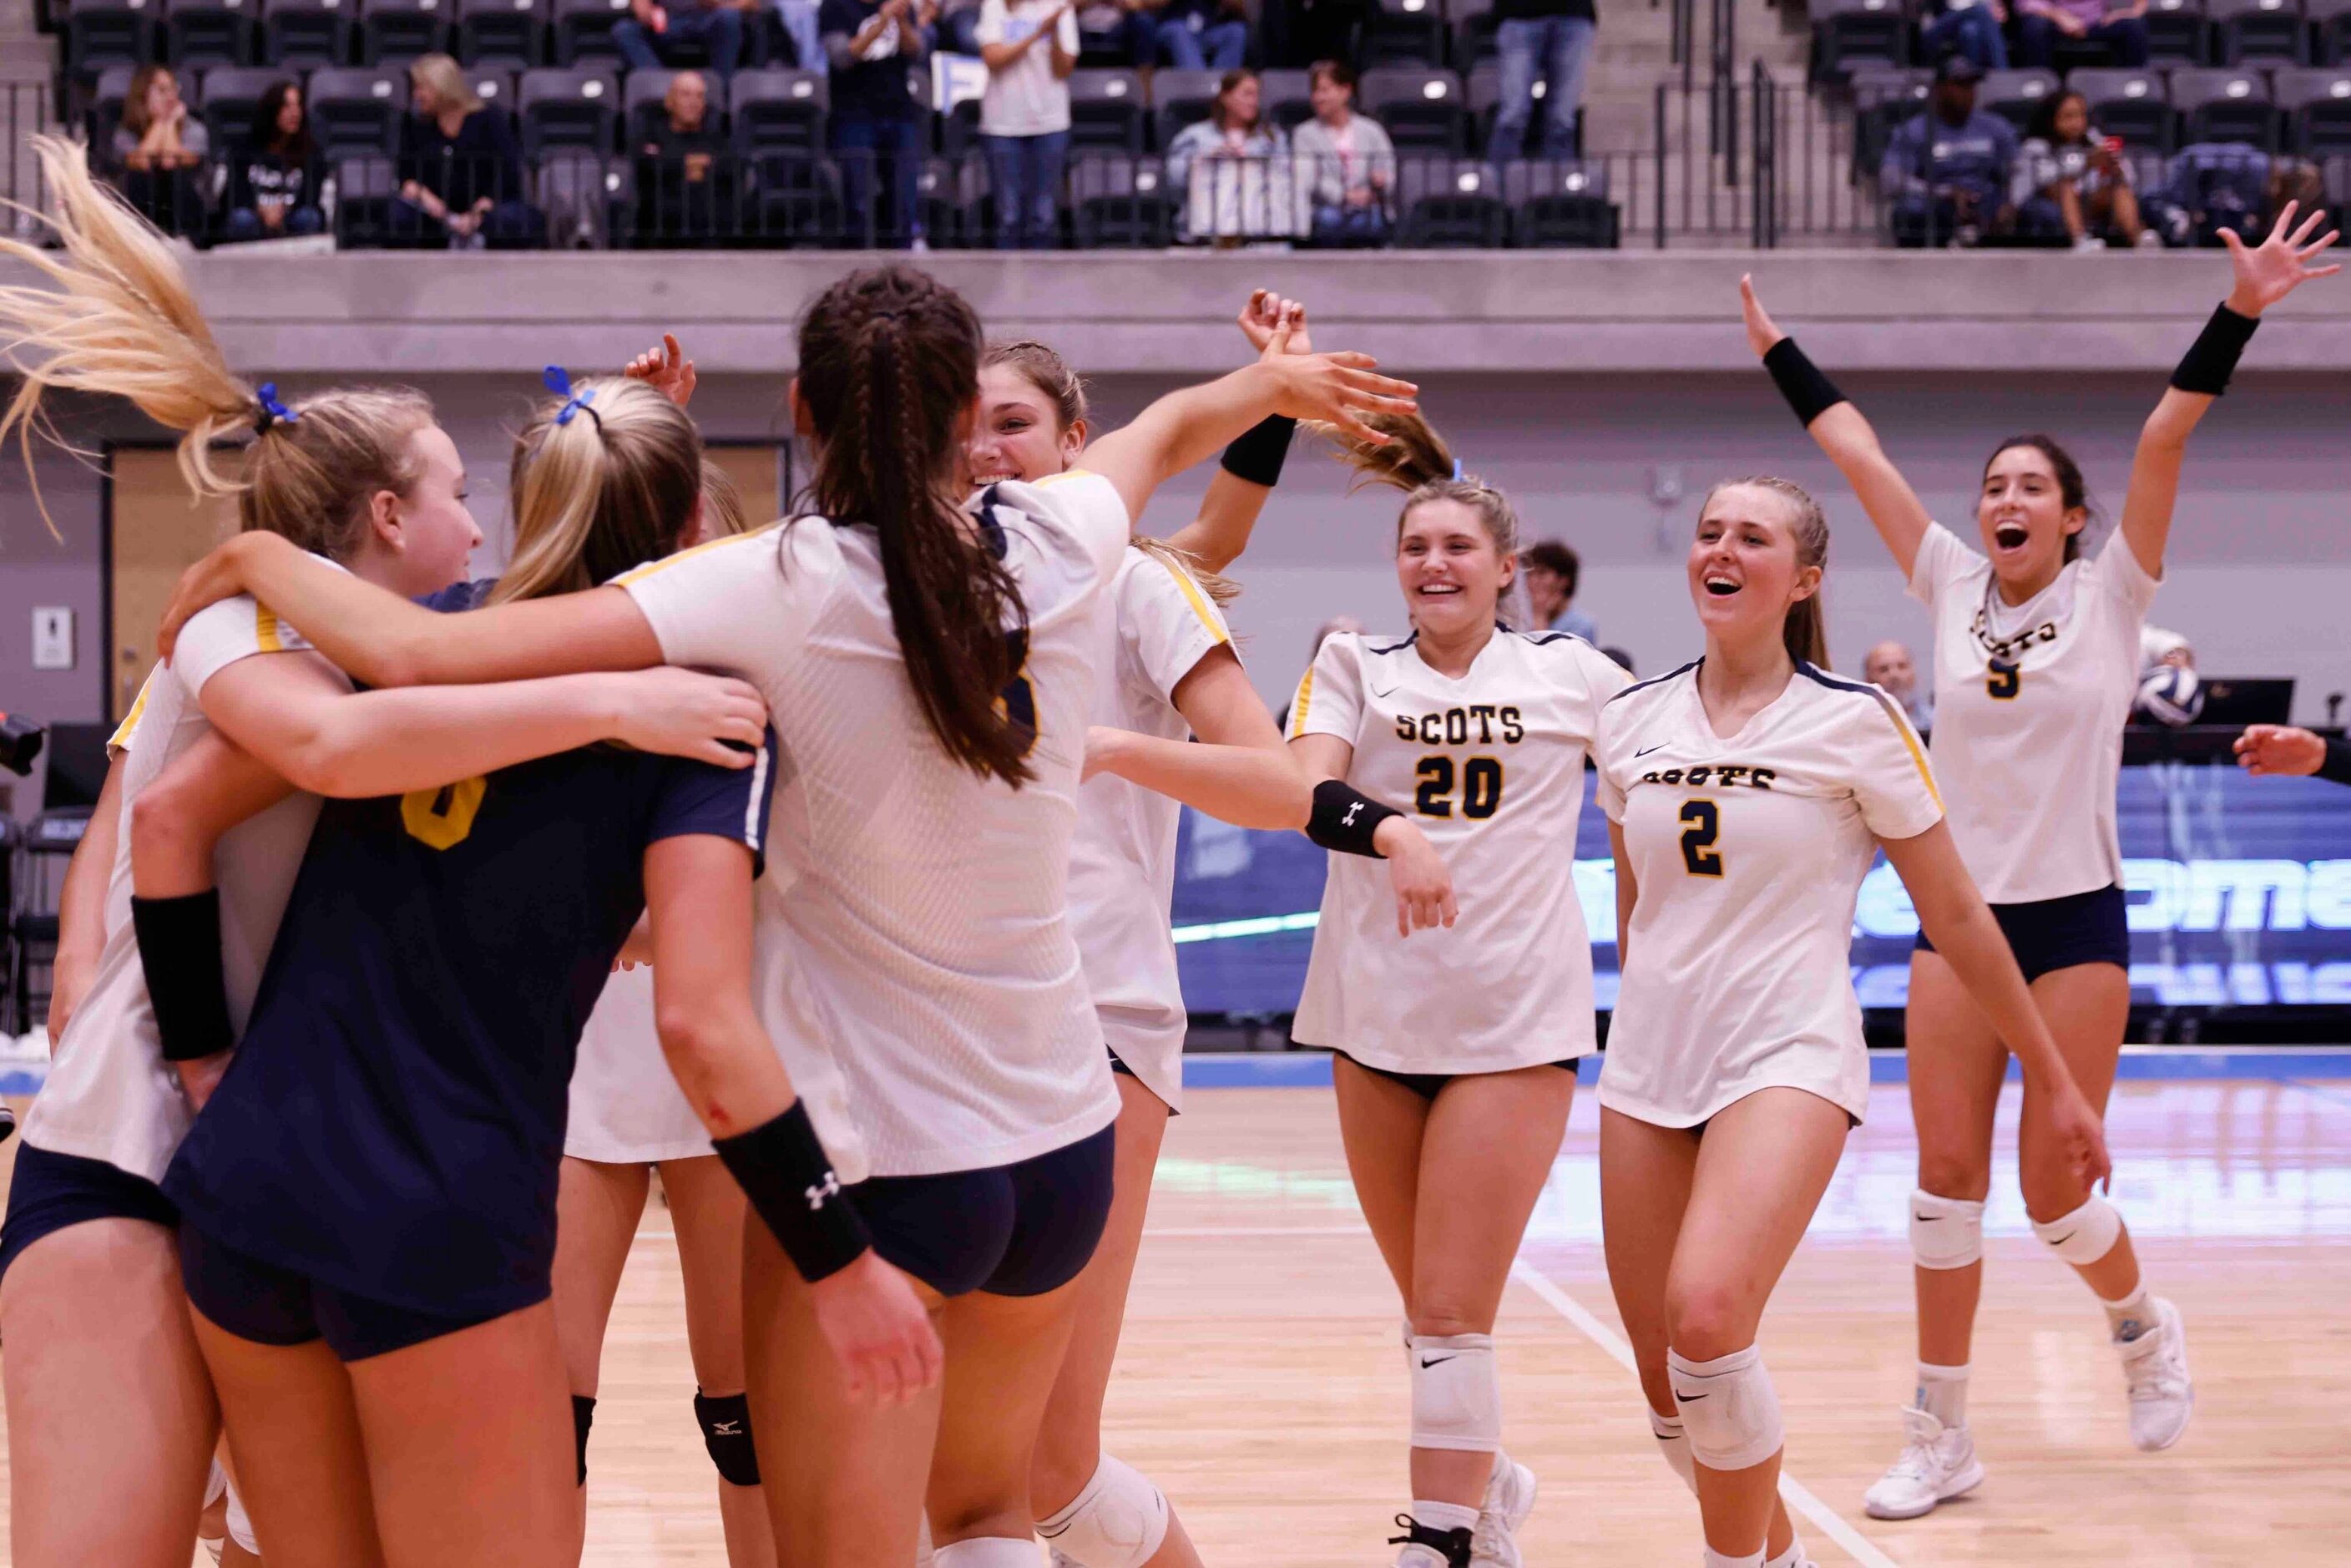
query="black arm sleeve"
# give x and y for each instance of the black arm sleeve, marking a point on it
(180, 951)
(2336, 768)
(1344, 819)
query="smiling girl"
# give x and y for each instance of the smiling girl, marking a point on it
(1748, 794)
(2035, 661)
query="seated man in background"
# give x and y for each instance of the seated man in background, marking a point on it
(1550, 572)
(1891, 670)
(682, 169)
(648, 36)
(1946, 175)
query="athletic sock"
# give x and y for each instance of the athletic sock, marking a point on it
(1791, 1558)
(1724, 1560)
(2130, 1317)
(1445, 1515)
(1943, 1393)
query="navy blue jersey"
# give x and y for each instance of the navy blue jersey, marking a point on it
(392, 1122)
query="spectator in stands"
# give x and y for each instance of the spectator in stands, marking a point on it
(1550, 572)
(648, 36)
(2119, 25)
(1190, 34)
(1545, 39)
(683, 163)
(877, 121)
(2072, 182)
(1946, 175)
(958, 32)
(274, 179)
(1970, 27)
(2216, 185)
(1890, 668)
(801, 27)
(1031, 47)
(159, 145)
(1350, 160)
(460, 168)
(2282, 750)
(1235, 131)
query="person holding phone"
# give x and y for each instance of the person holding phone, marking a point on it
(2072, 181)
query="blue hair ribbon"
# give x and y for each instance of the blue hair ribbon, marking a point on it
(272, 411)
(559, 381)
(1456, 470)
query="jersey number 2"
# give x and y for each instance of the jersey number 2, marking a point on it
(2004, 681)
(1482, 788)
(1701, 823)
(443, 817)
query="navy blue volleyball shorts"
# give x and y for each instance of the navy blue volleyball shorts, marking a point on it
(270, 1305)
(51, 1191)
(2053, 934)
(1011, 1230)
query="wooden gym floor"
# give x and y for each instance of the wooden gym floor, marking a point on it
(1260, 1384)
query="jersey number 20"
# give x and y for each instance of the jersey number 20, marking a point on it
(1482, 788)
(1701, 823)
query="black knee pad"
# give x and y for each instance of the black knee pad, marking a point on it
(725, 1423)
(583, 1416)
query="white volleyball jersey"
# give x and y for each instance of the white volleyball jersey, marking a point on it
(915, 963)
(110, 1094)
(2030, 704)
(626, 1106)
(1748, 852)
(1491, 766)
(1160, 623)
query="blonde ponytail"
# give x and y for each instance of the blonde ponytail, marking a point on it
(603, 480)
(1419, 461)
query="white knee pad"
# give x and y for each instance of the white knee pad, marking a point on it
(1728, 1407)
(987, 1551)
(925, 1557)
(1673, 1442)
(2084, 1235)
(1945, 1233)
(1456, 1398)
(1118, 1519)
(240, 1524)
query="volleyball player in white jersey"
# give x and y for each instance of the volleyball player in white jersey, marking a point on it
(2036, 662)
(1456, 1046)
(1171, 674)
(111, 1416)
(1748, 794)
(943, 1154)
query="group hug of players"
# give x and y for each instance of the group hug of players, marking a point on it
(342, 1154)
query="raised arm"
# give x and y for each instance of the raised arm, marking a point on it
(1252, 463)
(81, 907)
(1188, 426)
(383, 640)
(1962, 929)
(1837, 425)
(1239, 771)
(699, 893)
(2265, 274)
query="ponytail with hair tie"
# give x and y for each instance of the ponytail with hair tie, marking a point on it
(272, 411)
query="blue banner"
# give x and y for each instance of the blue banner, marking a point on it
(2239, 897)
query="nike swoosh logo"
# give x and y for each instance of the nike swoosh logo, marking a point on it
(1691, 1398)
(1646, 749)
(1928, 1218)
(1426, 1362)
(2061, 1241)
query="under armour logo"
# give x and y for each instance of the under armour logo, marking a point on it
(829, 1188)
(1349, 819)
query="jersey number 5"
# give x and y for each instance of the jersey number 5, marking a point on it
(1701, 825)
(2004, 681)
(1482, 788)
(443, 817)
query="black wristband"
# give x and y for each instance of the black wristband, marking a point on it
(2211, 360)
(785, 1172)
(180, 950)
(1257, 453)
(1809, 392)
(1344, 819)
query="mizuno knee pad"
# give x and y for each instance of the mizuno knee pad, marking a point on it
(2084, 1235)
(1945, 1233)
(1728, 1407)
(1117, 1520)
(1456, 1398)
(725, 1422)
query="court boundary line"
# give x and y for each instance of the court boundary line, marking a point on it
(1798, 1496)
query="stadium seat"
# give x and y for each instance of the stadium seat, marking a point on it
(569, 106)
(358, 109)
(105, 112)
(1106, 110)
(1449, 204)
(102, 33)
(206, 33)
(2016, 96)
(1424, 111)
(509, 34)
(2130, 104)
(492, 86)
(2330, 23)
(1181, 98)
(1485, 90)
(1120, 204)
(1881, 99)
(1849, 32)
(309, 32)
(2317, 102)
(1561, 205)
(2178, 33)
(583, 29)
(777, 110)
(2227, 106)
(795, 201)
(953, 195)
(393, 30)
(232, 94)
(1473, 32)
(1404, 33)
(1286, 97)
(642, 114)
(365, 190)
(2265, 31)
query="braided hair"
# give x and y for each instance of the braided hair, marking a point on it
(888, 363)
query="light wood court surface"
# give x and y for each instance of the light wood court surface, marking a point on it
(1263, 1385)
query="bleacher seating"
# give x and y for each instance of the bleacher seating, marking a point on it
(1182, 98)
(1850, 32)
(2262, 31)
(1450, 205)
(1473, 32)
(583, 30)
(102, 33)
(1405, 32)
(307, 32)
(1285, 97)
(232, 94)
(205, 33)
(2223, 105)
(507, 35)
(1120, 204)
(1561, 205)
(777, 110)
(569, 106)
(2016, 96)
(357, 110)
(2131, 104)
(1107, 110)
(396, 30)
(1424, 109)
(2318, 103)
(2178, 33)
(2330, 27)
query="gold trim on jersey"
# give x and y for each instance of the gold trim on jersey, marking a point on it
(1193, 596)
(1910, 738)
(265, 633)
(639, 573)
(1305, 696)
(120, 739)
